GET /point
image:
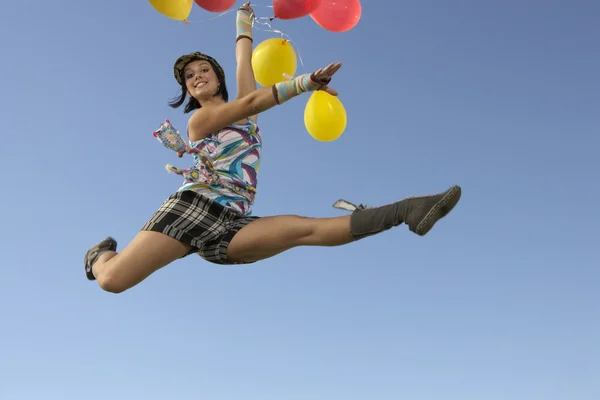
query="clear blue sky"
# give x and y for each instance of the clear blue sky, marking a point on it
(499, 302)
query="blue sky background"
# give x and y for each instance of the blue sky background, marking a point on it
(500, 301)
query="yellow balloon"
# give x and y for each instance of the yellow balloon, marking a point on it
(324, 116)
(175, 9)
(272, 60)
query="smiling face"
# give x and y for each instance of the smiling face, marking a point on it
(201, 81)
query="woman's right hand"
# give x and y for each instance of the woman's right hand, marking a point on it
(246, 6)
(322, 77)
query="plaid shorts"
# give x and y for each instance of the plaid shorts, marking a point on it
(200, 222)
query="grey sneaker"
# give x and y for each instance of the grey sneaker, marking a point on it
(108, 244)
(424, 212)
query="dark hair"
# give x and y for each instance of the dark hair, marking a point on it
(194, 104)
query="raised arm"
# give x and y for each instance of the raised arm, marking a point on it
(246, 83)
(206, 120)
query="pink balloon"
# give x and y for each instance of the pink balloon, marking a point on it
(215, 5)
(290, 9)
(337, 15)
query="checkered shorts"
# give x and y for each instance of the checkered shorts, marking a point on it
(200, 222)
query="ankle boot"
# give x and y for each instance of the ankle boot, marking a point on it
(419, 213)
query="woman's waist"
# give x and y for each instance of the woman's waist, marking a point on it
(223, 187)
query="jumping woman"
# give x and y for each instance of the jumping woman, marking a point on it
(210, 214)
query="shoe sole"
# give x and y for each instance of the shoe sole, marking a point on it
(439, 210)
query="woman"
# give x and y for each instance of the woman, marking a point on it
(211, 213)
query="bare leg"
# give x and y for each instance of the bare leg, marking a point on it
(269, 236)
(147, 253)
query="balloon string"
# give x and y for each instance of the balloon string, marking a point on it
(224, 13)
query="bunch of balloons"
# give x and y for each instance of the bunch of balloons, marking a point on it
(333, 15)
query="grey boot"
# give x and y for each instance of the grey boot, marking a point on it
(419, 213)
(108, 244)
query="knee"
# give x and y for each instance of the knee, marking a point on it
(111, 283)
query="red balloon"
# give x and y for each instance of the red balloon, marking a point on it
(337, 15)
(290, 9)
(215, 5)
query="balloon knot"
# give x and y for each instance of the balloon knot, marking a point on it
(185, 21)
(271, 19)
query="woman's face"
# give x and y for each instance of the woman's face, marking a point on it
(201, 80)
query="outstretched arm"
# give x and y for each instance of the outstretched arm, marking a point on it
(206, 120)
(246, 83)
